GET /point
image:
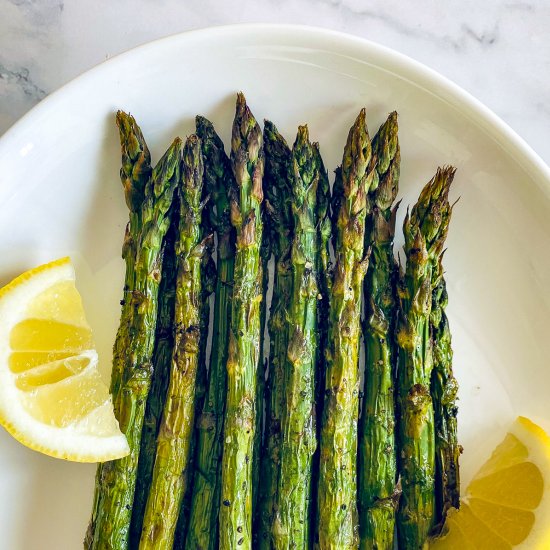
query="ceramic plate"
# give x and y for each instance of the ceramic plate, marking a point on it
(60, 194)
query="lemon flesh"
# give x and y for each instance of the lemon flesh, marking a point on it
(507, 504)
(52, 397)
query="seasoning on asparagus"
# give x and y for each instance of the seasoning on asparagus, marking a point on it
(444, 394)
(242, 364)
(291, 527)
(162, 357)
(277, 188)
(425, 230)
(377, 457)
(132, 368)
(337, 491)
(172, 461)
(218, 179)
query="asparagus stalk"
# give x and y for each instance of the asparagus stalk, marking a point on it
(134, 174)
(277, 188)
(209, 280)
(265, 256)
(377, 457)
(444, 388)
(162, 357)
(337, 491)
(244, 347)
(425, 230)
(291, 528)
(218, 178)
(172, 460)
(323, 257)
(110, 524)
(324, 273)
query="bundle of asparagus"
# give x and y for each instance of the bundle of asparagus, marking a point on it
(333, 471)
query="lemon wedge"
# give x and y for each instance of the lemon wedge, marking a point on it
(507, 504)
(52, 397)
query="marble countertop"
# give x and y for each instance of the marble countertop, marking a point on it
(497, 50)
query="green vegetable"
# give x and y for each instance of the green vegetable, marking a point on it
(265, 256)
(218, 177)
(162, 358)
(444, 395)
(323, 257)
(337, 490)
(246, 198)
(377, 458)
(132, 369)
(277, 186)
(135, 174)
(324, 273)
(209, 280)
(172, 461)
(425, 231)
(291, 522)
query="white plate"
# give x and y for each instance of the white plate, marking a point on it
(60, 194)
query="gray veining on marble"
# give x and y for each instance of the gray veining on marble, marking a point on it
(19, 79)
(498, 51)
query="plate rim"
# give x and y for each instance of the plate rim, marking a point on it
(529, 160)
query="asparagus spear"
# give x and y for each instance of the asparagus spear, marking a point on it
(277, 188)
(323, 257)
(172, 460)
(336, 519)
(209, 279)
(110, 524)
(244, 348)
(162, 357)
(265, 256)
(444, 388)
(218, 178)
(377, 458)
(425, 231)
(291, 527)
(324, 273)
(134, 174)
